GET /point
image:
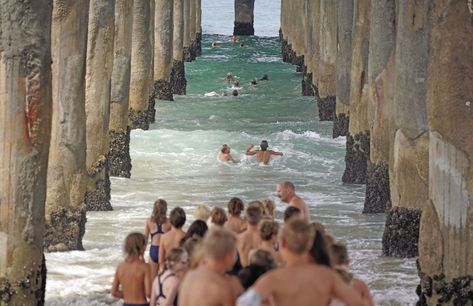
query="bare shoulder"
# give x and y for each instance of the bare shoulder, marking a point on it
(360, 285)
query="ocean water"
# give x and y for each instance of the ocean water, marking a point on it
(177, 160)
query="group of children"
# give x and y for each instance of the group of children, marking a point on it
(226, 259)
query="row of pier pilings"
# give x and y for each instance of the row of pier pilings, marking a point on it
(75, 78)
(396, 78)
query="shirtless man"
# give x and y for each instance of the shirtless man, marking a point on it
(250, 239)
(225, 154)
(207, 285)
(172, 239)
(263, 155)
(299, 282)
(287, 193)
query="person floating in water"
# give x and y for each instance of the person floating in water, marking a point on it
(242, 45)
(225, 154)
(233, 39)
(236, 84)
(264, 78)
(229, 78)
(263, 155)
(253, 83)
(235, 93)
(214, 45)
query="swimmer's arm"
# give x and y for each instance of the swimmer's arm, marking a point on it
(249, 152)
(147, 281)
(153, 300)
(116, 292)
(276, 153)
(146, 231)
(344, 293)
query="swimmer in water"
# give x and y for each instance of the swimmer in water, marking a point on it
(234, 39)
(264, 78)
(229, 78)
(254, 83)
(242, 45)
(214, 45)
(263, 155)
(225, 154)
(236, 84)
(235, 93)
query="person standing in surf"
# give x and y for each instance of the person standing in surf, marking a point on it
(263, 155)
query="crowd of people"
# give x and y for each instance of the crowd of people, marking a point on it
(242, 256)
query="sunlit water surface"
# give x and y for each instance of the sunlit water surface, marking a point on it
(177, 160)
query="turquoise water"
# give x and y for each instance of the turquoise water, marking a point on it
(177, 160)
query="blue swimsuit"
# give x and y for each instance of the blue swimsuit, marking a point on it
(161, 294)
(154, 249)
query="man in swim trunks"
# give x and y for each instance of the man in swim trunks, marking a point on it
(208, 284)
(299, 282)
(286, 191)
(263, 155)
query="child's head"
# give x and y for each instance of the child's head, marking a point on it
(268, 229)
(160, 209)
(135, 245)
(297, 236)
(291, 212)
(254, 214)
(250, 274)
(193, 247)
(235, 206)
(218, 216)
(202, 212)
(198, 228)
(219, 244)
(268, 209)
(177, 217)
(176, 259)
(263, 258)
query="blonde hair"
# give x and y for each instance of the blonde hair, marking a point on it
(202, 212)
(298, 236)
(173, 257)
(135, 244)
(263, 258)
(193, 247)
(267, 229)
(218, 216)
(160, 208)
(218, 243)
(268, 208)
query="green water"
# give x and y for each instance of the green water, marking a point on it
(177, 160)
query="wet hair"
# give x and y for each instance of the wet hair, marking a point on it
(218, 243)
(264, 145)
(224, 148)
(291, 212)
(135, 244)
(193, 247)
(340, 254)
(177, 217)
(218, 216)
(242, 45)
(253, 82)
(263, 258)
(267, 229)
(250, 274)
(318, 227)
(198, 228)
(254, 214)
(235, 206)
(160, 209)
(268, 208)
(298, 236)
(235, 93)
(202, 212)
(173, 256)
(319, 251)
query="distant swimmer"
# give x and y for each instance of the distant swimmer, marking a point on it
(264, 78)
(242, 45)
(233, 39)
(225, 154)
(229, 78)
(214, 45)
(263, 155)
(236, 84)
(253, 83)
(235, 93)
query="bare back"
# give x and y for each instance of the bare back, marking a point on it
(205, 288)
(305, 285)
(299, 203)
(235, 224)
(264, 156)
(134, 277)
(247, 241)
(170, 240)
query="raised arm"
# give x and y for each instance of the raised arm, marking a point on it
(276, 153)
(249, 152)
